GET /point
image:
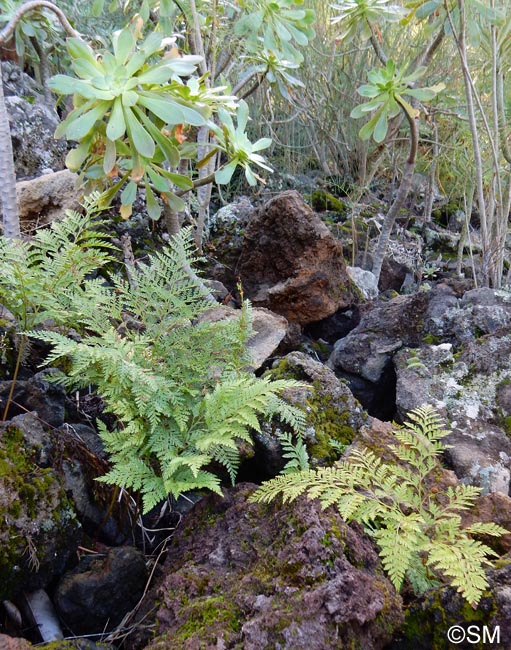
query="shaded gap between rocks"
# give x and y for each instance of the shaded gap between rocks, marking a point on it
(377, 398)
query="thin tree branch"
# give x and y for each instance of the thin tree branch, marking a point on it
(10, 28)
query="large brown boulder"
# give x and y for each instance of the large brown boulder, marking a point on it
(258, 576)
(292, 264)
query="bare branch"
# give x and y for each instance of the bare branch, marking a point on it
(8, 30)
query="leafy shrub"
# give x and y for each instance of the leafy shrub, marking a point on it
(419, 531)
(177, 383)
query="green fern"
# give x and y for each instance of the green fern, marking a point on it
(420, 534)
(176, 383)
(36, 277)
(295, 452)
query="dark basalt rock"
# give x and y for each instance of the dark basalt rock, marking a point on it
(38, 395)
(39, 531)
(94, 597)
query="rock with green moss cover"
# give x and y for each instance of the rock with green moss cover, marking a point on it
(322, 201)
(39, 531)
(258, 576)
(334, 416)
(470, 387)
(429, 619)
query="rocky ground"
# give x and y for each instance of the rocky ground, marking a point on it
(76, 558)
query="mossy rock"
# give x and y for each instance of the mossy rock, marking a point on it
(334, 416)
(269, 576)
(428, 620)
(322, 201)
(443, 214)
(39, 530)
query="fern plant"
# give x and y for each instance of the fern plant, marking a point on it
(36, 275)
(419, 533)
(176, 382)
(295, 452)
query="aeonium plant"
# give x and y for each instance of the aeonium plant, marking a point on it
(386, 91)
(133, 108)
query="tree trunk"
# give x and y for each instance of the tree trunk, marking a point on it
(402, 193)
(11, 220)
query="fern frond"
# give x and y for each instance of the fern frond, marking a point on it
(228, 458)
(289, 486)
(413, 528)
(295, 453)
(398, 544)
(425, 421)
(490, 528)
(464, 564)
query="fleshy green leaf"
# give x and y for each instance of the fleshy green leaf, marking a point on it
(124, 43)
(141, 139)
(81, 126)
(116, 127)
(224, 174)
(129, 193)
(109, 157)
(153, 208)
(380, 129)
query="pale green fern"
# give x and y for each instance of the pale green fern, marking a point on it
(177, 383)
(419, 532)
(36, 275)
(295, 452)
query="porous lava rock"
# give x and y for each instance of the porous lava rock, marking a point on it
(32, 124)
(469, 388)
(258, 576)
(367, 350)
(292, 264)
(46, 198)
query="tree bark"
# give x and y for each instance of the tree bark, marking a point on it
(11, 220)
(402, 193)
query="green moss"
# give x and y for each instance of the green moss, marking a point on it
(322, 200)
(330, 424)
(441, 215)
(430, 623)
(431, 339)
(505, 423)
(29, 490)
(204, 617)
